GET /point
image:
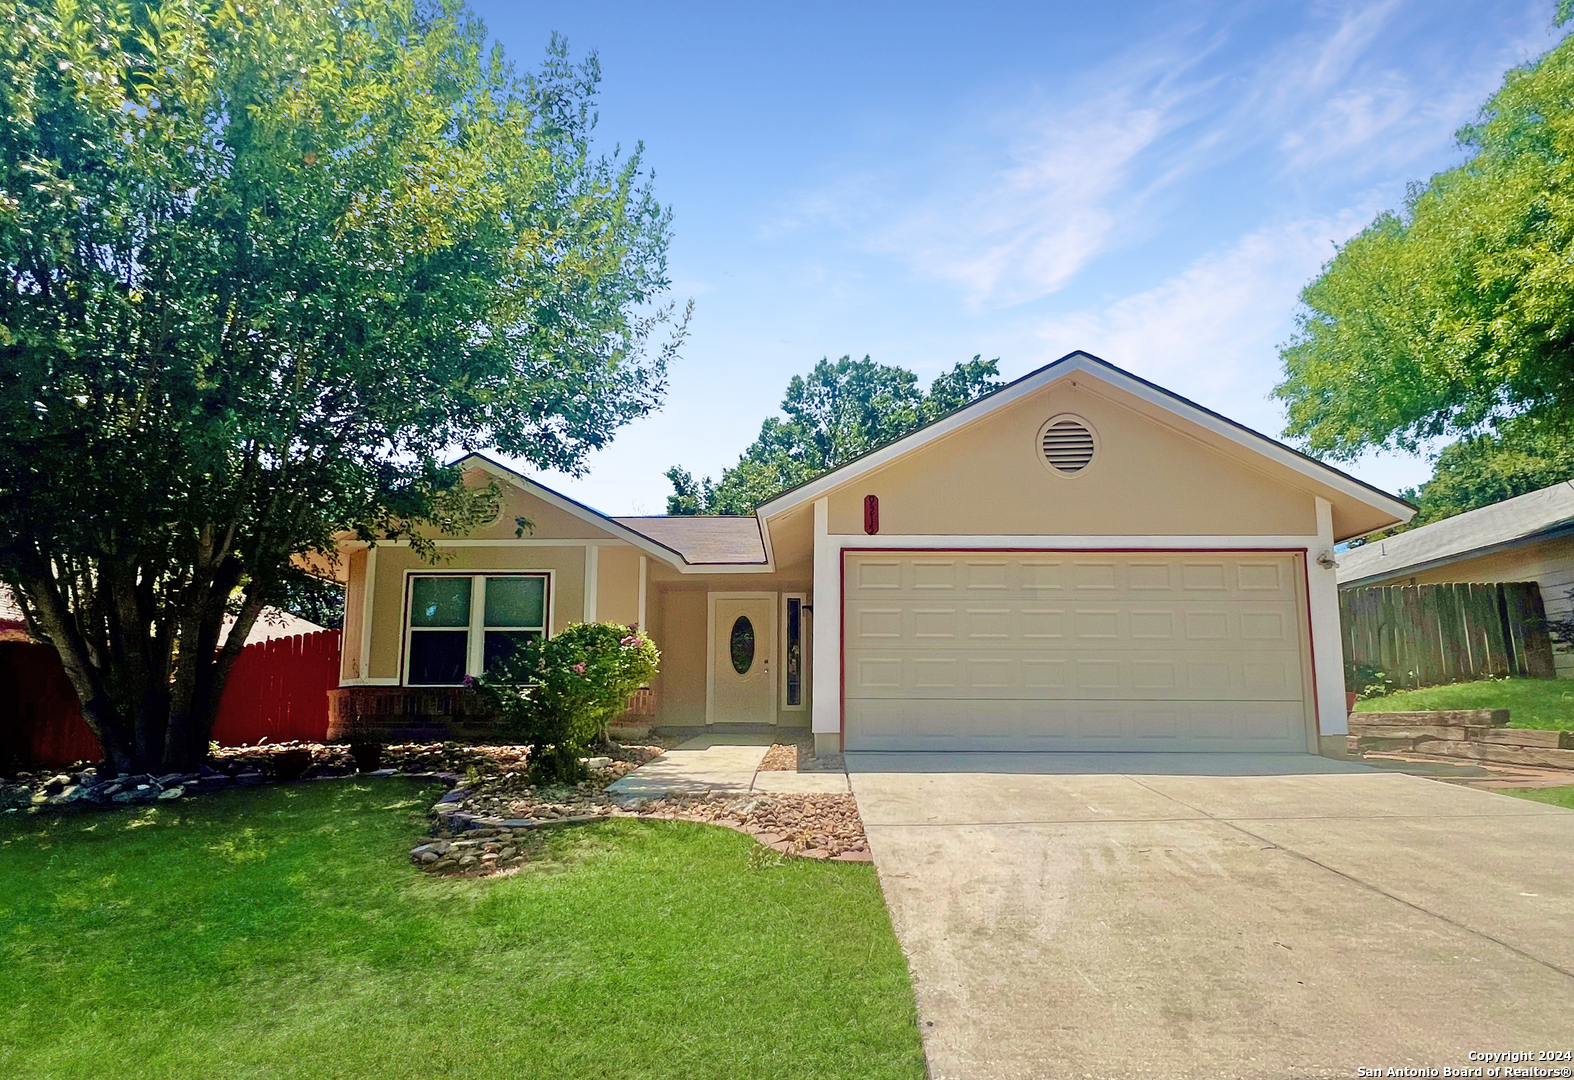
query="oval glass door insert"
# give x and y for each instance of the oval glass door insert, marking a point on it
(742, 645)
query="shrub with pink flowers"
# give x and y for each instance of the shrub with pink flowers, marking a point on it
(557, 693)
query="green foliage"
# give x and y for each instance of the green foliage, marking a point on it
(1520, 457)
(1524, 454)
(263, 268)
(841, 411)
(313, 599)
(1531, 703)
(557, 693)
(1458, 313)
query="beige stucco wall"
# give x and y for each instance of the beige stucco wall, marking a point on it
(1147, 478)
(680, 635)
(1549, 563)
(617, 585)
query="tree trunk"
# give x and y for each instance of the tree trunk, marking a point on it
(159, 717)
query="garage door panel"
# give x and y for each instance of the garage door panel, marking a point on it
(1071, 726)
(1156, 675)
(1188, 576)
(1116, 624)
(1162, 649)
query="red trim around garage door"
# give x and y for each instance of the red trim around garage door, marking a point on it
(841, 646)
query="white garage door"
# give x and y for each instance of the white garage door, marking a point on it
(1058, 651)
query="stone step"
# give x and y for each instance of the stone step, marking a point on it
(1549, 740)
(1503, 755)
(1434, 718)
(1414, 734)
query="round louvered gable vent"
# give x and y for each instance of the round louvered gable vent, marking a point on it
(1067, 444)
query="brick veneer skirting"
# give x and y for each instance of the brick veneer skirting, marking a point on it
(400, 714)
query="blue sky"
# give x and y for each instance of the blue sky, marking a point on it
(1150, 182)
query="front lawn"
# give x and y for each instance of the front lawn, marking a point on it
(1557, 796)
(1532, 703)
(282, 932)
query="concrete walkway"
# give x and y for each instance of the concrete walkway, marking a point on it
(1178, 916)
(720, 765)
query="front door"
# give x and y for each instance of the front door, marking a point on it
(742, 647)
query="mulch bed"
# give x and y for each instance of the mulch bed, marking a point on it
(782, 757)
(798, 756)
(495, 807)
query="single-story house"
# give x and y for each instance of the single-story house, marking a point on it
(1526, 538)
(1081, 560)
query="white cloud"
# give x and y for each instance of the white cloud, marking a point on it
(1039, 218)
(1010, 200)
(1212, 331)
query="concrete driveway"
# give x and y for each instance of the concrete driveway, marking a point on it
(1179, 915)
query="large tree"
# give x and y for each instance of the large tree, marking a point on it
(840, 411)
(265, 267)
(1454, 317)
(1521, 456)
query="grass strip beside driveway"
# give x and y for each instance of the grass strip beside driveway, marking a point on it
(1532, 703)
(282, 932)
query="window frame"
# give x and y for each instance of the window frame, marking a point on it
(803, 647)
(475, 650)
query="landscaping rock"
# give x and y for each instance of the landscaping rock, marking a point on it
(171, 793)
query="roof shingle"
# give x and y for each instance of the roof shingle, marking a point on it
(1521, 518)
(702, 540)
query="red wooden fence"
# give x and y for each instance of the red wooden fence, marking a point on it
(40, 716)
(277, 690)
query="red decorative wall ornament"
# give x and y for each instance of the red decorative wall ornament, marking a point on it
(871, 514)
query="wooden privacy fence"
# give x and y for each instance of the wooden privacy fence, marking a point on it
(1427, 635)
(277, 690)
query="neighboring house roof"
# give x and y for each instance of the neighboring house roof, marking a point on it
(713, 540)
(12, 626)
(1069, 364)
(272, 623)
(1540, 514)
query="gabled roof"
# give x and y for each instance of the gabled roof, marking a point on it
(1540, 514)
(1102, 370)
(707, 541)
(571, 506)
(688, 543)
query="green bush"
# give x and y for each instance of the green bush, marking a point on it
(557, 693)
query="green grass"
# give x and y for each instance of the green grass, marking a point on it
(1557, 796)
(282, 932)
(1532, 703)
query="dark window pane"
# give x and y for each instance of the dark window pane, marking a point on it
(440, 601)
(516, 601)
(794, 651)
(437, 657)
(742, 645)
(500, 645)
